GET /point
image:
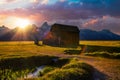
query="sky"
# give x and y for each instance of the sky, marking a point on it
(86, 14)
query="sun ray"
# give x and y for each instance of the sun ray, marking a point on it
(22, 23)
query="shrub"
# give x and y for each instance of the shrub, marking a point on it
(72, 52)
(104, 54)
(73, 71)
(100, 54)
(47, 69)
(79, 65)
(67, 74)
(8, 74)
(115, 55)
(73, 60)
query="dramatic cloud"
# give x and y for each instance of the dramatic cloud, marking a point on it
(93, 14)
(105, 22)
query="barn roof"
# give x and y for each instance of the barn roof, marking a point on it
(62, 27)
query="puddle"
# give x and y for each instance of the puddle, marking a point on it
(36, 72)
(55, 60)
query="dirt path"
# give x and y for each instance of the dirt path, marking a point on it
(105, 69)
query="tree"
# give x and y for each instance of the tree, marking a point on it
(35, 31)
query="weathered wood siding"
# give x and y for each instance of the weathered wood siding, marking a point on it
(61, 37)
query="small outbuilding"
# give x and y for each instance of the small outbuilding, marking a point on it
(62, 35)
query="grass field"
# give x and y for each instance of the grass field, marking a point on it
(101, 43)
(19, 58)
(25, 49)
(107, 49)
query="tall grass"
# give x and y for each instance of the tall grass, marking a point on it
(12, 68)
(73, 71)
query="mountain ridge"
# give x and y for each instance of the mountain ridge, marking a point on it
(87, 34)
(7, 34)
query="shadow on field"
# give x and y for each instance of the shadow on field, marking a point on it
(72, 52)
(32, 62)
(1, 54)
(92, 48)
(25, 62)
(97, 75)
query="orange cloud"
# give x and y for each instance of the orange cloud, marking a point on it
(7, 17)
(90, 22)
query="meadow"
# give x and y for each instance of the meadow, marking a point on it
(107, 49)
(101, 43)
(19, 58)
(26, 49)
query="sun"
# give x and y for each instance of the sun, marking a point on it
(22, 23)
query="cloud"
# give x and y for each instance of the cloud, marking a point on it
(2, 2)
(69, 9)
(44, 1)
(90, 22)
(93, 14)
(62, 0)
(97, 23)
(105, 22)
(9, 1)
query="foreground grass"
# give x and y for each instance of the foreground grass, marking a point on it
(13, 68)
(74, 70)
(62, 69)
(21, 58)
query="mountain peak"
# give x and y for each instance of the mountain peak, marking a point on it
(45, 23)
(106, 30)
(98, 35)
(4, 28)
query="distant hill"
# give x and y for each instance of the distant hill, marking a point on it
(87, 34)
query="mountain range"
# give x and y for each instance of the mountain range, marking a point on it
(87, 34)
(7, 34)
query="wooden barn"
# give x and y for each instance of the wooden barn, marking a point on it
(62, 35)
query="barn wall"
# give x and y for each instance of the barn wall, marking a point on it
(70, 38)
(63, 38)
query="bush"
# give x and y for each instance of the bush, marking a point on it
(47, 69)
(100, 54)
(110, 49)
(115, 55)
(67, 74)
(8, 74)
(79, 65)
(104, 54)
(73, 71)
(74, 60)
(72, 52)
